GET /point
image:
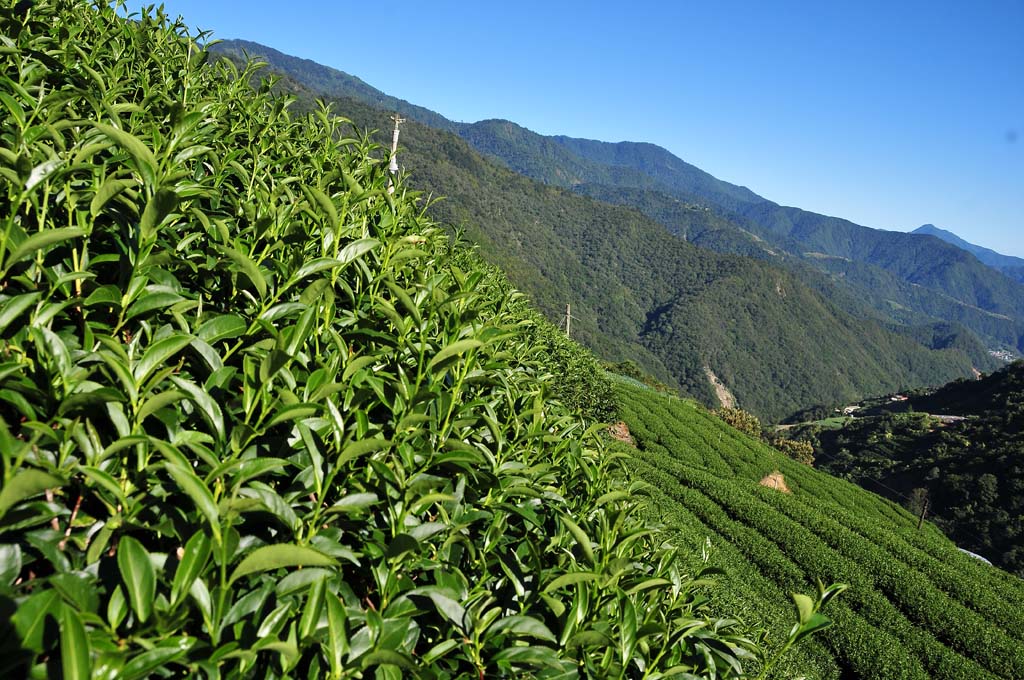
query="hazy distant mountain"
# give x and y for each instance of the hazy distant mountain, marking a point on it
(1008, 264)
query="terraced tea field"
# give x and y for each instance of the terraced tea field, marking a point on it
(916, 607)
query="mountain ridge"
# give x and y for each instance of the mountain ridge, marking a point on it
(632, 323)
(1010, 265)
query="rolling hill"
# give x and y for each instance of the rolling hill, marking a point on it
(1009, 265)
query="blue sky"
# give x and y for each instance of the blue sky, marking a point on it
(892, 114)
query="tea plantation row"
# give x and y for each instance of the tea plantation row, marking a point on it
(916, 607)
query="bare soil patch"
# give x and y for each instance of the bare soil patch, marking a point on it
(725, 397)
(620, 432)
(775, 481)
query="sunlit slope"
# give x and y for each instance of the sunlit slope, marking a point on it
(916, 607)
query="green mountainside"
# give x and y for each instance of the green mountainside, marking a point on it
(900, 276)
(328, 81)
(640, 294)
(917, 607)
(925, 275)
(967, 463)
(1008, 264)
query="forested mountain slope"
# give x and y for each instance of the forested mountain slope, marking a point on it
(958, 447)
(638, 292)
(942, 268)
(1008, 264)
(931, 280)
(916, 607)
(954, 285)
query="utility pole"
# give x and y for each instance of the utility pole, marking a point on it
(393, 165)
(924, 511)
(568, 318)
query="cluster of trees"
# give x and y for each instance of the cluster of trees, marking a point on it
(748, 424)
(968, 467)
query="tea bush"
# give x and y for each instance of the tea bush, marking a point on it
(258, 418)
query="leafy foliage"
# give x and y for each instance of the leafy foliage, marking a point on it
(916, 607)
(258, 418)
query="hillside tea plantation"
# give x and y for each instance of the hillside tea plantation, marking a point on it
(916, 607)
(260, 419)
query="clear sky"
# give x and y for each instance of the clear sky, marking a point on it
(891, 114)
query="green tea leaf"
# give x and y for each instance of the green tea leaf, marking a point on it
(138, 576)
(197, 491)
(158, 354)
(354, 502)
(109, 189)
(360, 448)
(145, 161)
(159, 206)
(311, 612)
(25, 484)
(380, 657)
(356, 249)
(571, 579)
(249, 268)
(30, 618)
(143, 665)
(453, 350)
(105, 481)
(337, 637)
(279, 556)
(10, 563)
(75, 653)
(223, 327)
(523, 626)
(804, 606)
(356, 364)
(40, 240)
(195, 555)
(581, 537)
(15, 307)
(323, 201)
